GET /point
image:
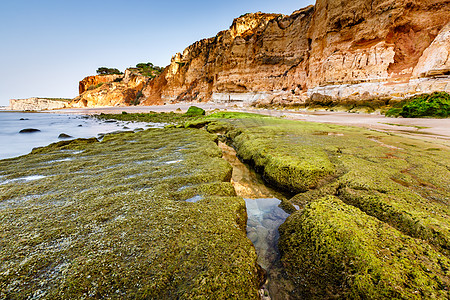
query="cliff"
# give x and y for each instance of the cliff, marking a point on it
(110, 90)
(93, 81)
(343, 49)
(37, 104)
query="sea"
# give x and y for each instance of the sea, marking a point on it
(50, 126)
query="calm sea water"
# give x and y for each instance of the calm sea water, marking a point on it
(13, 143)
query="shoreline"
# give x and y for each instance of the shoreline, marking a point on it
(423, 128)
(431, 129)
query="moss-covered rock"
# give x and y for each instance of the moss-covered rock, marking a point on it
(392, 178)
(436, 104)
(334, 250)
(374, 207)
(400, 184)
(195, 111)
(153, 117)
(114, 219)
(294, 167)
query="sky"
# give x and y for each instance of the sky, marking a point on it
(47, 46)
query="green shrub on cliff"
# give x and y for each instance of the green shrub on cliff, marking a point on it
(108, 71)
(436, 104)
(95, 86)
(148, 69)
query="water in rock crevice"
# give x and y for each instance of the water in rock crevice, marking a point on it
(264, 218)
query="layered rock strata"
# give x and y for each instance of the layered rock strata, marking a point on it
(344, 49)
(111, 90)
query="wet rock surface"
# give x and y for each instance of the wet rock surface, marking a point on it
(370, 221)
(265, 215)
(375, 223)
(84, 219)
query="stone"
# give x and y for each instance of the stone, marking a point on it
(64, 136)
(435, 60)
(89, 81)
(29, 130)
(195, 111)
(112, 91)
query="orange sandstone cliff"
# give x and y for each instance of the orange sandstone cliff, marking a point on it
(111, 90)
(339, 49)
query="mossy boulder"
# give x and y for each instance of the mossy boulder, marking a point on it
(396, 185)
(195, 111)
(292, 167)
(334, 250)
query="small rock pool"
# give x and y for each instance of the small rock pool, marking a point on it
(264, 218)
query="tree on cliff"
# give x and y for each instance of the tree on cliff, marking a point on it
(108, 71)
(148, 69)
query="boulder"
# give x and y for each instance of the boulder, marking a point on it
(64, 136)
(195, 111)
(29, 130)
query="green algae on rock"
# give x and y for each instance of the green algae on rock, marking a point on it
(389, 177)
(334, 250)
(394, 181)
(195, 111)
(374, 207)
(108, 219)
(154, 117)
(292, 166)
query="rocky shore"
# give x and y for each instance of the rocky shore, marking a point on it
(146, 214)
(151, 213)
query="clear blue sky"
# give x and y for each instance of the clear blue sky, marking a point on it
(48, 46)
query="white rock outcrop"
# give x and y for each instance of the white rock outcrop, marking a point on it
(36, 104)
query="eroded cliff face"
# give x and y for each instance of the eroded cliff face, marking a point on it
(342, 49)
(259, 54)
(110, 90)
(365, 49)
(92, 81)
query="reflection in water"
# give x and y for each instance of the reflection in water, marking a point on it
(264, 218)
(13, 143)
(246, 182)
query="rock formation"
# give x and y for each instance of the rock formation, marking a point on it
(110, 90)
(340, 49)
(37, 104)
(92, 81)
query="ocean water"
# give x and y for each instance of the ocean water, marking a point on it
(13, 143)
